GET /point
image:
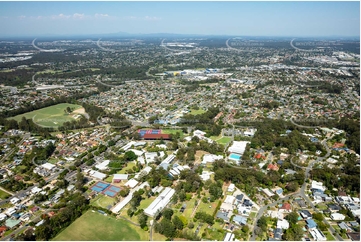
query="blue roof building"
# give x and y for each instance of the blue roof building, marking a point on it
(311, 223)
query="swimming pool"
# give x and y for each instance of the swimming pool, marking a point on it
(234, 156)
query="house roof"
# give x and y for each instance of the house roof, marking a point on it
(240, 219)
(286, 206)
(311, 223)
(222, 215)
(354, 236)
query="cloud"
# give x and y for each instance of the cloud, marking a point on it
(22, 17)
(60, 16)
(146, 18)
(100, 15)
(78, 16)
(149, 18)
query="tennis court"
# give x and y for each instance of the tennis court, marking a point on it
(99, 186)
(111, 191)
(142, 132)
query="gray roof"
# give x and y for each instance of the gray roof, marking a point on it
(222, 215)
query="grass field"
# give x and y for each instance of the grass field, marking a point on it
(173, 131)
(4, 195)
(103, 201)
(224, 140)
(52, 116)
(196, 112)
(93, 226)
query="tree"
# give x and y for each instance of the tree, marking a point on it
(292, 217)
(79, 180)
(142, 219)
(262, 223)
(129, 156)
(177, 223)
(168, 213)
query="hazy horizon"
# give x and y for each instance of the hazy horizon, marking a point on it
(277, 19)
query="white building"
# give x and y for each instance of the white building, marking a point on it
(229, 237)
(238, 147)
(150, 157)
(103, 166)
(282, 224)
(231, 187)
(48, 166)
(337, 216)
(120, 177)
(317, 234)
(318, 186)
(210, 158)
(131, 183)
(127, 146)
(160, 202)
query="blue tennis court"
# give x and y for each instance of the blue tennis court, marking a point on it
(113, 188)
(109, 193)
(142, 132)
(101, 184)
(96, 189)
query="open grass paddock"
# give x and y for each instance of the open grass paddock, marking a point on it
(53, 116)
(93, 226)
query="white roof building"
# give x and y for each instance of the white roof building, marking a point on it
(14, 200)
(35, 190)
(48, 166)
(226, 207)
(231, 187)
(238, 147)
(268, 192)
(205, 175)
(137, 152)
(3, 216)
(199, 133)
(317, 234)
(337, 216)
(169, 159)
(210, 158)
(150, 157)
(160, 202)
(122, 204)
(229, 237)
(104, 165)
(282, 224)
(120, 177)
(229, 199)
(131, 183)
(127, 146)
(318, 185)
(97, 174)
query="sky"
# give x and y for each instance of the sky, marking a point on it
(297, 19)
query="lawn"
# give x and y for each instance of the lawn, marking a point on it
(53, 116)
(196, 112)
(328, 236)
(103, 201)
(4, 195)
(146, 202)
(224, 140)
(173, 131)
(97, 227)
